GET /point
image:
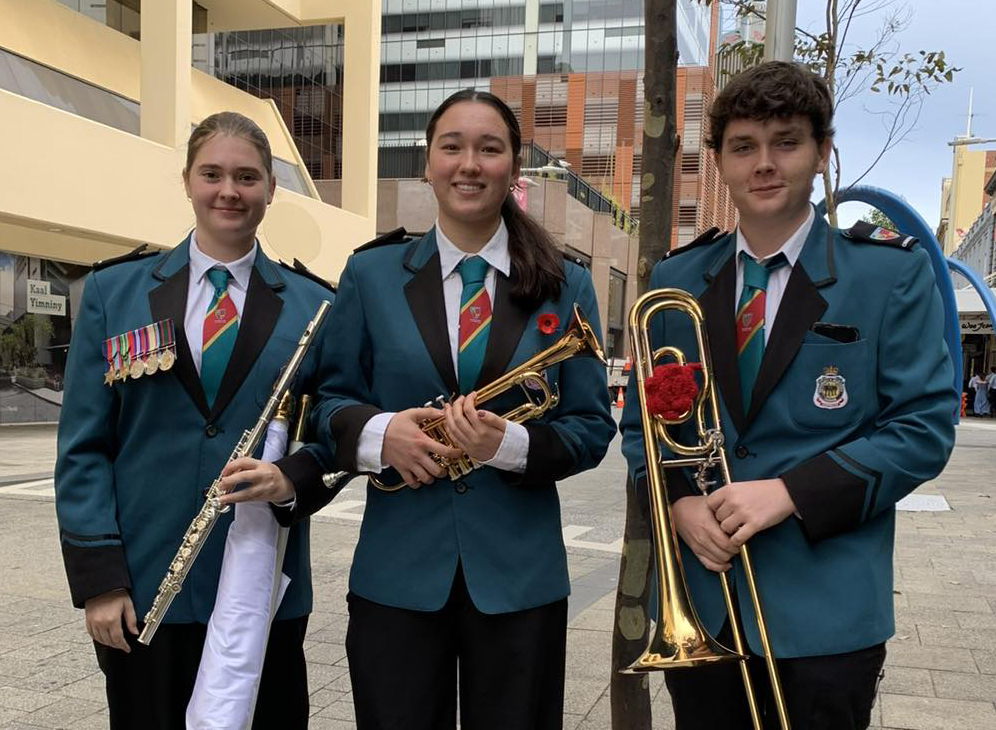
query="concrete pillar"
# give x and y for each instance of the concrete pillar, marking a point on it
(601, 260)
(359, 103)
(530, 43)
(166, 58)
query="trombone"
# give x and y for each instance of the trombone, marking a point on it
(679, 640)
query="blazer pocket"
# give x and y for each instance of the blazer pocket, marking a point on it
(828, 383)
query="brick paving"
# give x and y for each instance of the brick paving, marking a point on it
(940, 672)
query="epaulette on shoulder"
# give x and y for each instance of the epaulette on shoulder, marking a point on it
(864, 232)
(398, 235)
(708, 237)
(300, 268)
(575, 259)
(139, 252)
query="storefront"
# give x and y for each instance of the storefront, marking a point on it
(978, 344)
(38, 300)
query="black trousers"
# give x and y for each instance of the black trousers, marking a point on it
(833, 692)
(404, 665)
(150, 687)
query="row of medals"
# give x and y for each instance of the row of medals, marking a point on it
(156, 361)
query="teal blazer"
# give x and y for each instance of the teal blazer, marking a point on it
(135, 458)
(502, 528)
(872, 311)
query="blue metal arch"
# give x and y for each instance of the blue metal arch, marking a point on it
(909, 222)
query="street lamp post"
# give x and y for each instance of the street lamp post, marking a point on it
(779, 30)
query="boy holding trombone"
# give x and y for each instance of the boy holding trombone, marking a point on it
(835, 401)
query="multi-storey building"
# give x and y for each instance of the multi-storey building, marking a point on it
(95, 129)
(962, 196)
(572, 72)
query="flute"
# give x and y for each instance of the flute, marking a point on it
(201, 526)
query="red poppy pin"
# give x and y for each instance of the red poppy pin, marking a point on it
(547, 323)
(671, 390)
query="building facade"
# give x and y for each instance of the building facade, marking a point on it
(95, 127)
(571, 70)
(962, 194)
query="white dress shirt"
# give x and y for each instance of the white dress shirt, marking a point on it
(200, 292)
(777, 279)
(511, 454)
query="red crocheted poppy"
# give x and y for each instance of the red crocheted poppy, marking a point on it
(547, 323)
(671, 390)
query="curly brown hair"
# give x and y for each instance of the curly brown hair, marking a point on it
(776, 89)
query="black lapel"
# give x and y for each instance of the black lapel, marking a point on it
(508, 322)
(801, 306)
(424, 292)
(259, 317)
(718, 308)
(169, 301)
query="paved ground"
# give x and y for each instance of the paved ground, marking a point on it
(940, 674)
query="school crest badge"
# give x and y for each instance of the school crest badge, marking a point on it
(883, 234)
(831, 390)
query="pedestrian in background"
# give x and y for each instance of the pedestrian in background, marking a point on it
(980, 403)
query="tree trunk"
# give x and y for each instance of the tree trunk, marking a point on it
(659, 134)
(629, 694)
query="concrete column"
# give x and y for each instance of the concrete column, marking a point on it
(530, 49)
(601, 260)
(359, 103)
(166, 58)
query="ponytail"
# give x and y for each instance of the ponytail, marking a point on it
(536, 261)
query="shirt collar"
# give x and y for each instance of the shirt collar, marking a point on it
(791, 248)
(495, 251)
(240, 269)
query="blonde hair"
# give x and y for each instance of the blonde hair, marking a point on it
(232, 124)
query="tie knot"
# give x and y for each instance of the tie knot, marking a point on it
(219, 278)
(756, 274)
(473, 270)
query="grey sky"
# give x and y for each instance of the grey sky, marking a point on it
(963, 29)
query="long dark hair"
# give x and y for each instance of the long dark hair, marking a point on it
(536, 261)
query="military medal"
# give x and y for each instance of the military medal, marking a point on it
(142, 351)
(831, 392)
(152, 364)
(166, 337)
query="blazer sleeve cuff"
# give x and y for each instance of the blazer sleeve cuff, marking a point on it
(93, 571)
(548, 459)
(828, 498)
(310, 495)
(346, 425)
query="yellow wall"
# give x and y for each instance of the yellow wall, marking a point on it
(78, 190)
(964, 197)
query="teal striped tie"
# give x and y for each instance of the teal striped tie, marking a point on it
(475, 321)
(750, 320)
(221, 327)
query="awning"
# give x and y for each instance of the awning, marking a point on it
(972, 312)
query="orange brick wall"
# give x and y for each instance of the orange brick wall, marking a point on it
(602, 133)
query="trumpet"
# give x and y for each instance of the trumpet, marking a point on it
(578, 340)
(679, 640)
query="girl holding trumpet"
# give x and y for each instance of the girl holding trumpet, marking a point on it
(466, 576)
